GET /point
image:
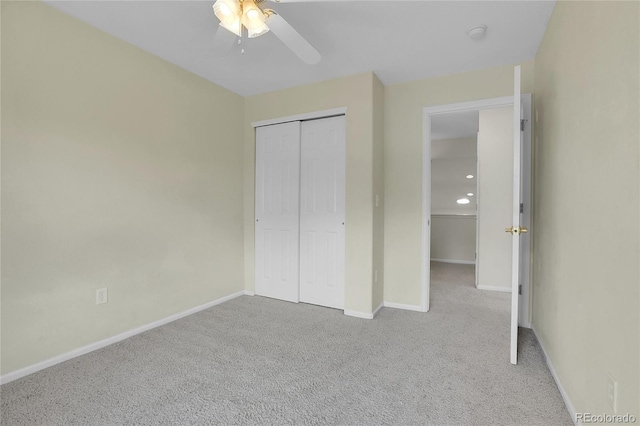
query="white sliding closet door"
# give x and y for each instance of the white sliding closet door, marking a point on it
(277, 248)
(322, 212)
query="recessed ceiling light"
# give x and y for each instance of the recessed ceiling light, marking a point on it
(469, 176)
(477, 33)
(463, 201)
(469, 194)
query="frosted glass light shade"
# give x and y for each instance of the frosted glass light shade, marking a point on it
(235, 27)
(252, 16)
(253, 33)
(227, 11)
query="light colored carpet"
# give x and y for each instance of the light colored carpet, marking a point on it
(255, 360)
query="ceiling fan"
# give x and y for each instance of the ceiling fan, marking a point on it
(246, 16)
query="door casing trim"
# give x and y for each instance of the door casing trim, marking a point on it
(427, 112)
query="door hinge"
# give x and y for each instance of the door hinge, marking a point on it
(521, 207)
(520, 289)
(522, 120)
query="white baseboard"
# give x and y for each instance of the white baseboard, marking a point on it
(249, 293)
(358, 314)
(565, 397)
(364, 315)
(461, 262)
(375, 312)
(416, 308)
(14, 375)
(492, 288)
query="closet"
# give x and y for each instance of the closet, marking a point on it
(300, 211)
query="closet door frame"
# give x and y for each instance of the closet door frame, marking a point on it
(298, 117)
(301, 117)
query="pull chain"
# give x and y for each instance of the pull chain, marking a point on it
(243, 34)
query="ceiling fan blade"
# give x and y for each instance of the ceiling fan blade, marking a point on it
(223, 41)
(292, 39)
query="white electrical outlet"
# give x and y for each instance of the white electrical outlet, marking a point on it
(375, 276)
(612, 393)
(101, 296)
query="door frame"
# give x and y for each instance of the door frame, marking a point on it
(326, 113)
(500, 102)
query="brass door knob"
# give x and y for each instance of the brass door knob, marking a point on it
(516, 230)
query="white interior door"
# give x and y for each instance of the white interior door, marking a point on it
(515, 229)
(495, 197)
(277, 215)
(322, 212)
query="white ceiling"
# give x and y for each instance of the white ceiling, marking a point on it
(455, 125)
(399, 40)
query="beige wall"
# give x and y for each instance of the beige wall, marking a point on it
(111, 178)
(495, 197)
(378, 190)
(355, 93)
(403, 164)
(586, 241)
(119, 170)
(453, 238)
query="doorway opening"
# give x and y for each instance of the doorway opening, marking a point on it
(449, 160)
(454, 195)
